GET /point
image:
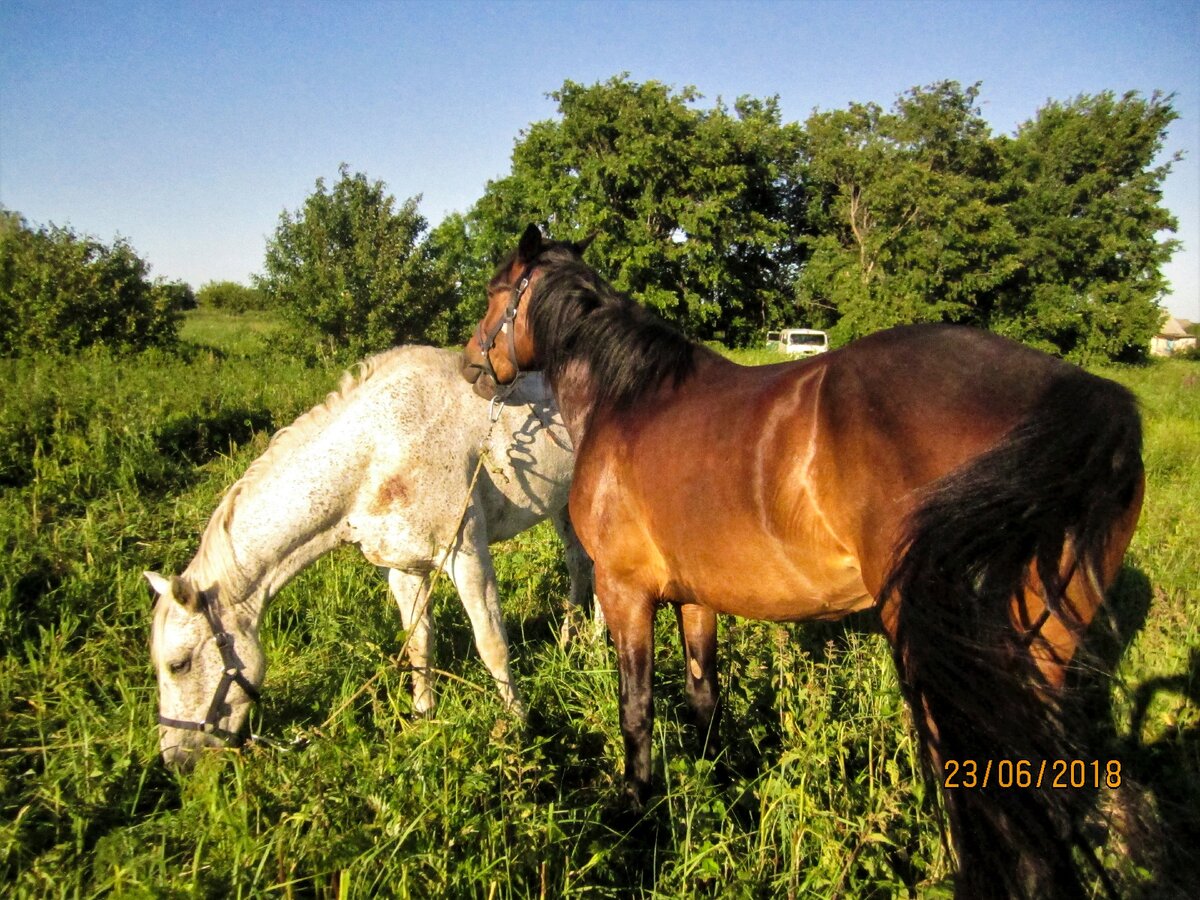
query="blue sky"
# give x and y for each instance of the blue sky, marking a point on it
(188, 128)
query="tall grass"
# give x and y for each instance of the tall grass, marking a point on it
(111, 465)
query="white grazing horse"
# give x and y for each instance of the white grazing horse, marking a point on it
(384, 463)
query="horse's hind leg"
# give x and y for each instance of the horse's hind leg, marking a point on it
(475, 579)
(698, 634)
(579, 567)
(411, 593)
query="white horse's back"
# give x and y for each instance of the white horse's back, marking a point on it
(426, 434)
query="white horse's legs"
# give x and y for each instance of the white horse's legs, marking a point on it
(411, 593)
(579, 567)
(470, 569)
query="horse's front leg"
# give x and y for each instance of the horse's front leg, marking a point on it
(411, 593)
(698, 635)
(630, 616)
(475, 580)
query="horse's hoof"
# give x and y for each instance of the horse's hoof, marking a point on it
(634, 797)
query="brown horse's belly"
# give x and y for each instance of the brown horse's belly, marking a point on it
(763, 577)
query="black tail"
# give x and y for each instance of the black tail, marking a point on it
(1064, 477)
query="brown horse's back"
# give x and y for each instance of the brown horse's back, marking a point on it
(904, 408)
(779, 492)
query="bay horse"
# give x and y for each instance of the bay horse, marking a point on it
(386, 463)
(977, 493)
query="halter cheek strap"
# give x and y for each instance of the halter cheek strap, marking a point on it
(487, 340)
(232, 674)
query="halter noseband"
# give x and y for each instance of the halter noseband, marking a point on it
(231, 675)
(487, 340)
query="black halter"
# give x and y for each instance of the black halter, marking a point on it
(487, 340)
(232, 675)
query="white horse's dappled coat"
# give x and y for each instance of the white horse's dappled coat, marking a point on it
(384, 463)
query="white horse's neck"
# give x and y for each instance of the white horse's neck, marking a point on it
(284, 513)
(261, 546)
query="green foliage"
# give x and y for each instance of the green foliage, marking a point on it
(1085, 202)
(693, 209)
(60, 291)
(231, 296)
(111, 464)
(905, 218)
(731, 222)
(352, 267)
(1050, 237)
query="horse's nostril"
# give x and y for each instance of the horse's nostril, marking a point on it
(471, 371)
(484, 387)
(179, 759)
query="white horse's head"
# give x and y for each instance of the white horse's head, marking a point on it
(209, 663)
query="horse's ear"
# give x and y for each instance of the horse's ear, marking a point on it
(531, 244)
(580, 246)
(184, 593)
(158, 584)
(175, 587)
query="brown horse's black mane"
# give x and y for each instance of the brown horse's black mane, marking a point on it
(576, 316)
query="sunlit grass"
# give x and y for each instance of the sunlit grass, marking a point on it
(111, 466)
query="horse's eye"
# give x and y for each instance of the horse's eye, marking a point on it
(178, 668)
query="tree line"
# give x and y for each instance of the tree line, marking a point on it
(730, 221)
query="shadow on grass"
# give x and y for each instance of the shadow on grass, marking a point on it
(1157, 807)
(196, 438)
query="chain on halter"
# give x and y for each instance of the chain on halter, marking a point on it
(232, 674)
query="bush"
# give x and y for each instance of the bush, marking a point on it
(60, 291)
(231, 297)
(354, 268)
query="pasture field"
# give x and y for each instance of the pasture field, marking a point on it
(109, 466)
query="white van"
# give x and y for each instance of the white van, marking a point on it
(798, 341)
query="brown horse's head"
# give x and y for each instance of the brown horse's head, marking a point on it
(502, 345)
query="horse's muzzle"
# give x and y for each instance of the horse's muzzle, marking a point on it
(179, 759)
(181, 753)
(482, 382)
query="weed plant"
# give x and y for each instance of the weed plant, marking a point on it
(110, 465)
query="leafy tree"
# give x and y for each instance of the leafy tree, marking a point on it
(730, 222)
(694, 210)
(352, 266)
(1086, 207)
(460, 271)
(919, 214)
(60, 291)
(231, 296)
(905, 217)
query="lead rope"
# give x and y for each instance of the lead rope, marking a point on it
(395, 659)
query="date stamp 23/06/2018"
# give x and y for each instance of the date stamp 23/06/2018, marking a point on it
(1058, 774)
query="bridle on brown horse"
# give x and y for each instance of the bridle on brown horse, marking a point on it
(487, 340)
(232, 674)
(507, 323)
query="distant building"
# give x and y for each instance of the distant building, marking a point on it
(1172, 338)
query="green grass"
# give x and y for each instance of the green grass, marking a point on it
(243, 334)
(110, 465)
